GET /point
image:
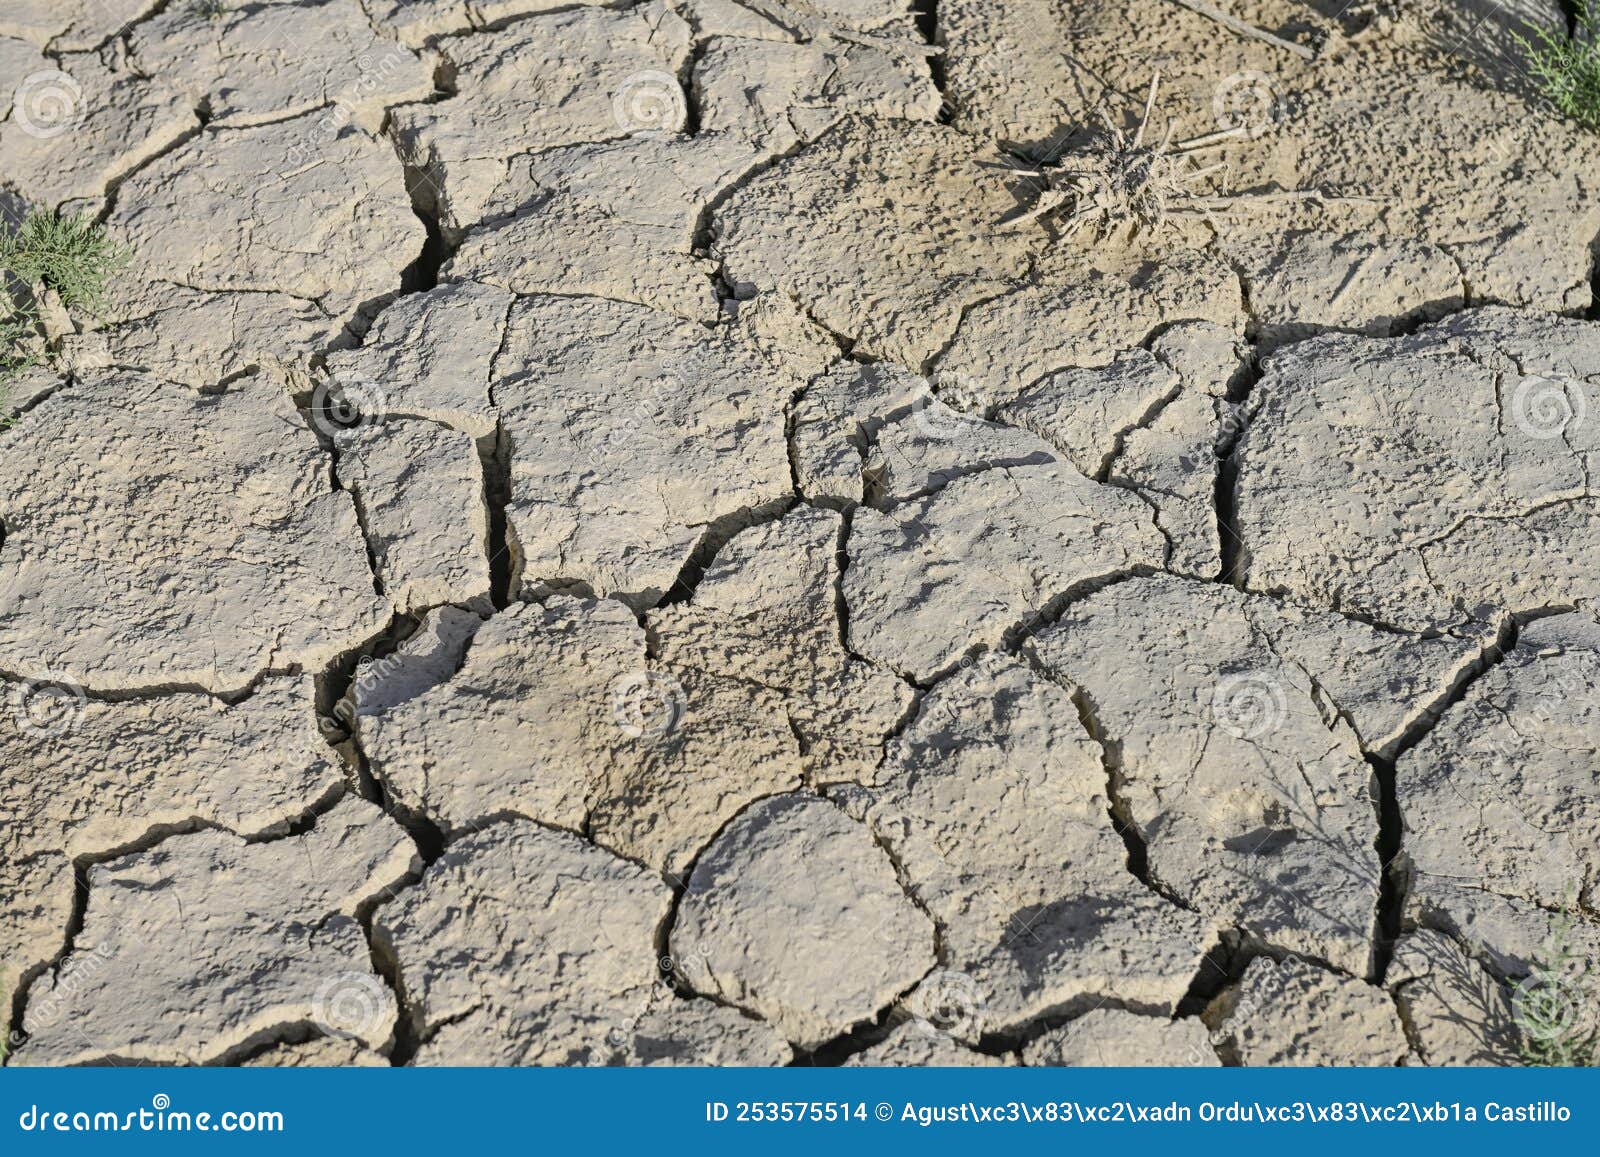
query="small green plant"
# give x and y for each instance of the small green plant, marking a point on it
(16, 333)
(1557, 1008)
(48, 265)
(16, 330)
(210, 9)
(1567, 69)
(71, 255)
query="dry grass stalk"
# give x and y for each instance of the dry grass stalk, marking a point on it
(1118, 179)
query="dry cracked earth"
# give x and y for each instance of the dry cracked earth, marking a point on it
(614, 534)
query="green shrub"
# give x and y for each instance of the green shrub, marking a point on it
(71, 255)
(1557, 1008)
(16, 328)
(1567, 70)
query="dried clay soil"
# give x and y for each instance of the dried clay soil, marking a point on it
(613, 534)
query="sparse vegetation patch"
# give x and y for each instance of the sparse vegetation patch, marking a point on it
(1567, 69)
(70, 255)
(1558, 1005)
(51, 265)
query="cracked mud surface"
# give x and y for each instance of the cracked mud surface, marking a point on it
(612, 534)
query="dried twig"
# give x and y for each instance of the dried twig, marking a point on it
(1283, 195)
(1356, 274)
(1233, 23)
(1216, 138)
(1117, 179)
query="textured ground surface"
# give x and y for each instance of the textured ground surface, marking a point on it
(609, 534)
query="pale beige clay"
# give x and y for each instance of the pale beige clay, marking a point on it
(703, 532)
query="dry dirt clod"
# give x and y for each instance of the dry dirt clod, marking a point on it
(787, 884)
(633, 433)
(527, 946)
(207, 944)
(801, 90)
(333, 226)
(1428, 480)
(615, 219)
(236, 65)
(1318, 280)
(993, 804)
(559, 78)
(1153, 421)
(419, 490)
(1115, 1037)
(936, 577)
(69, 25)
(766, 612)
(106, 485)
(432, 355)
(556, 713)
(1499, 799)
(83, 778)
(1081, 308)
(813, 225)
(1231, 754)
(1455, 1010)
(1294, 1013)
(201, 337)
(81, 123)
